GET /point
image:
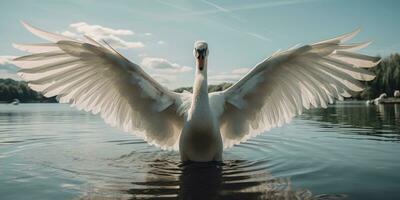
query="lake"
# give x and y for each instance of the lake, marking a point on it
(348, 151)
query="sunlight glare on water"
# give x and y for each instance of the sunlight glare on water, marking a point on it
(348, 151)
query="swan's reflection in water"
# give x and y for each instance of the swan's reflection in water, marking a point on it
(200, 180)
(232, 179)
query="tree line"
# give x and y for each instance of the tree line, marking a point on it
(11, 89)
(387, 81)
(387, 78)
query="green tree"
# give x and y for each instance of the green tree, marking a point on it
(387, 78)
(11, 89)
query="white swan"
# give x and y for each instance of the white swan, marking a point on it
(396, 94)
(96, 78)
(379, 100)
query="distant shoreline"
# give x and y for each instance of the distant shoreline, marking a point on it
(5, 102)
(387, 81)
(11, 89)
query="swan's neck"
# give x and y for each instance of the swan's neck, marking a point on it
(200, 91)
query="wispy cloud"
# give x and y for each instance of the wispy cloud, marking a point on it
(167, 3)
(250, 7)
(220, 8)
(256, 35)
(100, 33)
(228, 12)
(231, 76)
(224, 10)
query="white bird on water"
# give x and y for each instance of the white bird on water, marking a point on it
(94, 77)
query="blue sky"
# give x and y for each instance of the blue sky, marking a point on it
(159, 34)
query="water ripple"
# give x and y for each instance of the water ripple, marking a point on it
(54, 152)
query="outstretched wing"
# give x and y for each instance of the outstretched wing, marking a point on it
(288, 82)
(96, 78)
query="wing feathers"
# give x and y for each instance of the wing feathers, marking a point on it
(342, 38)
(356, 59)
(353, 47)
(52, 66)
(98, 79)
(41, 56)
(282, 86)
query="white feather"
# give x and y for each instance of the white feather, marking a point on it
(289, 82)
(98, 79)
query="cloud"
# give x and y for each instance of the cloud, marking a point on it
(7, 69)
(173, 5)
(220, 9)
(163, 65)
(100, 33)
(163, 70)
(241, 71)
(223, 10)
(259, 36)
(84, 28)
(160, 42)
(229, 13)
(231, 76)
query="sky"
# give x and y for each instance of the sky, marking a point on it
(159, 34)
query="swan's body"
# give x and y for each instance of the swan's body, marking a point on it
(396, 94)
(379, 100)
(94, 77)
(200, 138)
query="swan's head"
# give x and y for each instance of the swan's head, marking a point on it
(200, 52)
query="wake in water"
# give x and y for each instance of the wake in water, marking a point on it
(171, 179)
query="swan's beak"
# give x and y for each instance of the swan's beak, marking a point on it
(200, 56)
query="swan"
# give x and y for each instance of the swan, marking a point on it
(379, 100)
(94, 77)
(396, 94)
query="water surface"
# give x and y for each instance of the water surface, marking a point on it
(348, 151)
